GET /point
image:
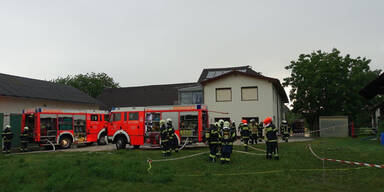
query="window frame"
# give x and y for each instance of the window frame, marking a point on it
(257, 93)
(133, 114)
(230, 89)
(94, 115)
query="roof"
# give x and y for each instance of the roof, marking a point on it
(374, 88)
(15, 86)
(215, 72)
(152, 95)
(209, 75)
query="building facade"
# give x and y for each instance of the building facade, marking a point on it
(243, 97)
(233, 94)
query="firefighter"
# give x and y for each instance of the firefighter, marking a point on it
(253, 126)
(174, 146)
(233, 129)
(217, 125)
(213, 138)
(7, 136)
(284, 129)
(221, 124)
(271, 139)
(227, 138)
(164, 139)
(245, 133)
(260, 131)
(24, 139)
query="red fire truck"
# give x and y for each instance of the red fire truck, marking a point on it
(139, 126)
(65, 128)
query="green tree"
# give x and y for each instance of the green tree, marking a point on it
(328, 84)
(90, 83)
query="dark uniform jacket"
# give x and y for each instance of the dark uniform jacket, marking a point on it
(271, 133)
(7, 135)
(213, 135)
(164, 133)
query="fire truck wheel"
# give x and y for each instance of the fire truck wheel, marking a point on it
(102, 139)
(136, 146)
(65, 142)
(120, 143)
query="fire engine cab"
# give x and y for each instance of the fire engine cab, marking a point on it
(64, 128)
(139, 126)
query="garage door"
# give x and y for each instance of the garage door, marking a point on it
(16, 129)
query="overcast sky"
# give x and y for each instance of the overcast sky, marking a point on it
(148, 42)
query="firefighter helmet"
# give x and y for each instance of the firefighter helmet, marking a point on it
(284, 122)
(221, 121)
(7, 127)
(162, 122)
(267, 120)
(244, 121)
(252, 120)
(217, 124)
(26, 128)
(226, 124)
(169, 120)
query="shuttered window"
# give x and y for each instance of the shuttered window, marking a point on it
(223, 94)
(249, 94)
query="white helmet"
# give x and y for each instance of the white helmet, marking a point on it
(284, 121)
(26, 128)
(6, 127)
(226, 124)
(169, 120)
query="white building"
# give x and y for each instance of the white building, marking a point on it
(238, 91)
(18, 93)
(244, 95)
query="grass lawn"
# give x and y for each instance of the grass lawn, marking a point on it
(297, 170)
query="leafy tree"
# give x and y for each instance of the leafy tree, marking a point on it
(90, 83)
(328, 84)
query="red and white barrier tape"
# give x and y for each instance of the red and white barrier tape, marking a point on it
(331, 127)
(346, 162)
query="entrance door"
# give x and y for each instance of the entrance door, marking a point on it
(223, 118)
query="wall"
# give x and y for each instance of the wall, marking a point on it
(262, 108)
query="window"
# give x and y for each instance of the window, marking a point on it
(197, 97)
(125, 116)
(134, 116)
(223, 94)
(249, 94)
(65, 122)
(94, 117)
(116, 116)
(191, 97)
(106, 117)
